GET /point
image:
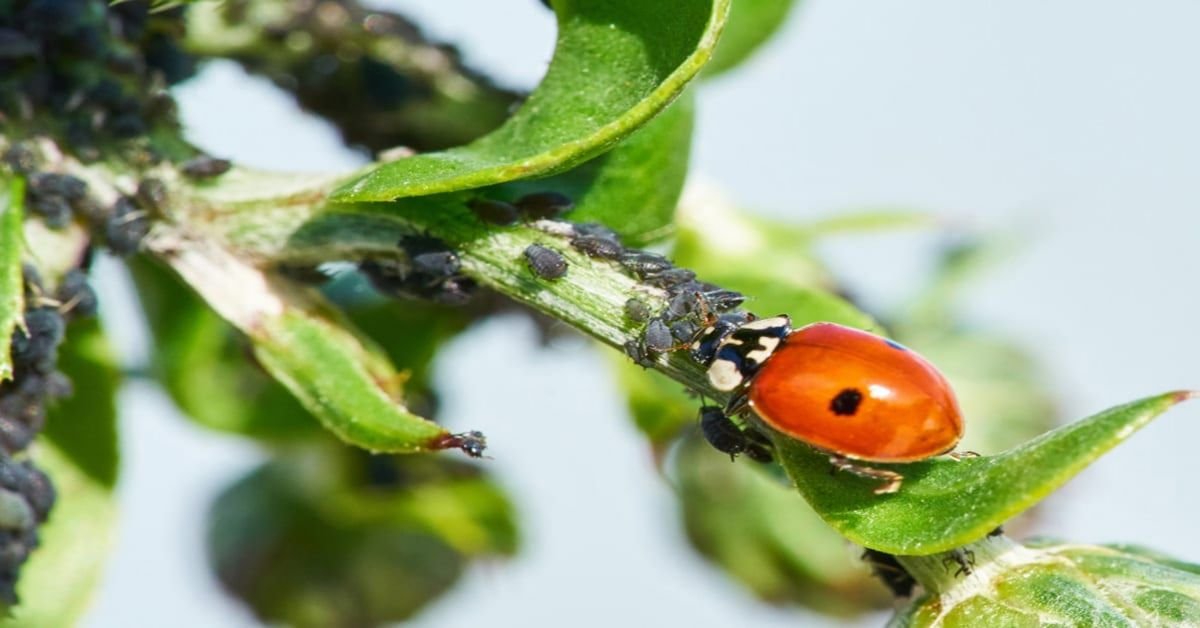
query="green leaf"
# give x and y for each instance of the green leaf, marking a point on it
(634, 188)
(202, 362)
(84, 426)
(1052, 583)
(617, 64)
(324, 366)
(751, 24)
(967, 498)
(338, 375)
(12, 293)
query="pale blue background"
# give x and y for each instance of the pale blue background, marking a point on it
(1074, 121)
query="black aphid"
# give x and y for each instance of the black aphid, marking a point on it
(545, 262)
(204, 167)
(494, 212)
(641, 263)
(126, 227)
(669, 278)
(544, 205)
(637, 310)
(597, 246)
(657, 337)
(76, 294)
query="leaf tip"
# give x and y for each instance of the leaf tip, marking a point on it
(1180, 396)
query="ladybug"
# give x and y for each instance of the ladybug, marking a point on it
(847, 392)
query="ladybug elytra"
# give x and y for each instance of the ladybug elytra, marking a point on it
(846, 392)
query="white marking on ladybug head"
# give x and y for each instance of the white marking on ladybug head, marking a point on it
(724, 375)
(768, 323)
(766, 346)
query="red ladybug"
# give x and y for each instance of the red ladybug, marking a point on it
(855, 395)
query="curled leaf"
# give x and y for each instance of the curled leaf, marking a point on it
(617, 64)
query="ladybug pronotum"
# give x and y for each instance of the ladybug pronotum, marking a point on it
(846, 392)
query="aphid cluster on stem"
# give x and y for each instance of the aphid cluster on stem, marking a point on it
(855, 396)
(89, 71)
(61, 199)
(26, 492)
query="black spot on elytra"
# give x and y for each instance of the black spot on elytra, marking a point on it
(846, 402)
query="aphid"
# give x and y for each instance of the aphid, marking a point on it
(637, 310)
(852, 394)
(76, 295)
(15, 435)
(889, 571)
(472, 443)
(69, 187)
(430, 257)
(642, 263)
(725, 436)
(669, 278)
(545, 262)
(494, 212)
(963, 558)
(657, 337)
(436, 263)
(429, 275)
(21, 158)
(151, 194)
(683, 332)
(35, 347)
(636, 350)
(681, 303)
(22, 478)
(54, 210)
(721, 300)
(544, 205)
(204, 167)
(596, 229)
(125, 227)
(598, 246)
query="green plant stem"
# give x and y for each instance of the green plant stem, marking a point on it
(272, 219)
(943, 572)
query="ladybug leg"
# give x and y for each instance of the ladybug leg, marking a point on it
(959, 455)
(738, 403)
(890, 480)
